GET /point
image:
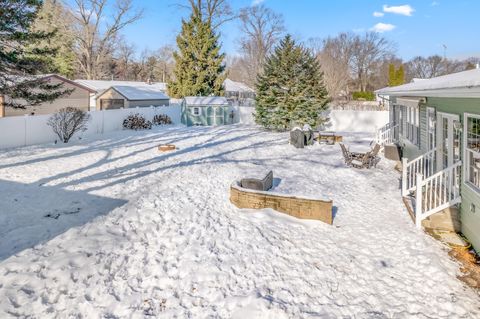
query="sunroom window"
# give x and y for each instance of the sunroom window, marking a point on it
(472, 150)
(431, 127)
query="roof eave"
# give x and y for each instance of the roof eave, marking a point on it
(460, 92)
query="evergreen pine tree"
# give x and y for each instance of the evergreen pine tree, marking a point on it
(400, 75)
(391, 75)
(55, 18)
(199, 68)
(290, 91)
(22, 55)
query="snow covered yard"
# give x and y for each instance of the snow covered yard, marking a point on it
(121, 230)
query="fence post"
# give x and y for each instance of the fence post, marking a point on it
(404, 176)
(419, 201)
(25, 131)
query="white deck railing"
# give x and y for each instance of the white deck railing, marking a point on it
(387, 134)
(437, 192)
(424, 165)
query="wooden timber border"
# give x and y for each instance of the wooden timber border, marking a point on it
(299, 207)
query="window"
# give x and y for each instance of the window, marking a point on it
(431, 128)
(472, 149)
(107, 104)
(196, 111)
(409, 123)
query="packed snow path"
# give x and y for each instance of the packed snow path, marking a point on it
(120, 230)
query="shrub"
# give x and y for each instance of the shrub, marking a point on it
(363, 96)
(67, 121)
(162, 119)
(136, 122)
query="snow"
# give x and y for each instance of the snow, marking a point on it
(141, 233)
(233, 86)
(134, 93)
(205, 100)
(467, 79)
(102, 85)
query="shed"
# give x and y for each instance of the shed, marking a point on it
(129, 96)
(210, 110)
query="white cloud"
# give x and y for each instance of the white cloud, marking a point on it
(257, 2)
(383, 27)
(378, 14)
(405, 10)
(435, 3)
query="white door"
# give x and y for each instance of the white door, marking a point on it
(448, 140)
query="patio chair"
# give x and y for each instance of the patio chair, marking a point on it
(362, 162)
(346, 155)
(374, 159)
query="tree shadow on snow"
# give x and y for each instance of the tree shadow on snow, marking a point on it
(31, 214)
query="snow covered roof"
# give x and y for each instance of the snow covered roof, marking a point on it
(205, 100)
(232, 86)
(16, 79)
(102, 85)
(139, 93)
(462, 84)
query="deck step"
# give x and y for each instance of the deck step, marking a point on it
(447, 219)
(407, 200)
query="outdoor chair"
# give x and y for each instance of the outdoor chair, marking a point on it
(361, 160)
(346, 155)
(374, 158)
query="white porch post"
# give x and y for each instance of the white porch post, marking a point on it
(404, 176)
(418, 201)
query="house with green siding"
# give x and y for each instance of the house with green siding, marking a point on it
(435, 124)
(205, 110)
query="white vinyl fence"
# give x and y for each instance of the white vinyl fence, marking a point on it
(29, 130)
(357, 121)
(243, 114)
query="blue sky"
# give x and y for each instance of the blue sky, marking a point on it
(418, 27)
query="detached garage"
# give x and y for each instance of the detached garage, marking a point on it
(117, 97)
(79, 98)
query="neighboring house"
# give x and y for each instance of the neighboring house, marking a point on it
(79, 98)
(211, 110)
(117, 97)
(238, 93)
(99, 86)
(436, 123)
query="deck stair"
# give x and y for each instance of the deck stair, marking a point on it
(435, 193)
(387, 134)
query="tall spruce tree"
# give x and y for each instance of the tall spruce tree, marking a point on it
(199, 68)
(22, 56)
(290, 91)
(396, 76)
(54, 17)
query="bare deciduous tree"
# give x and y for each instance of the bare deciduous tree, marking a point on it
(216, 12)
(261, 28)
(367, 51)
(125, 54)
(432, 66)
(335, 57)
(95, 33)
(68, 121)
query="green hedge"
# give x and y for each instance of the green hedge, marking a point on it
(363, 96)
